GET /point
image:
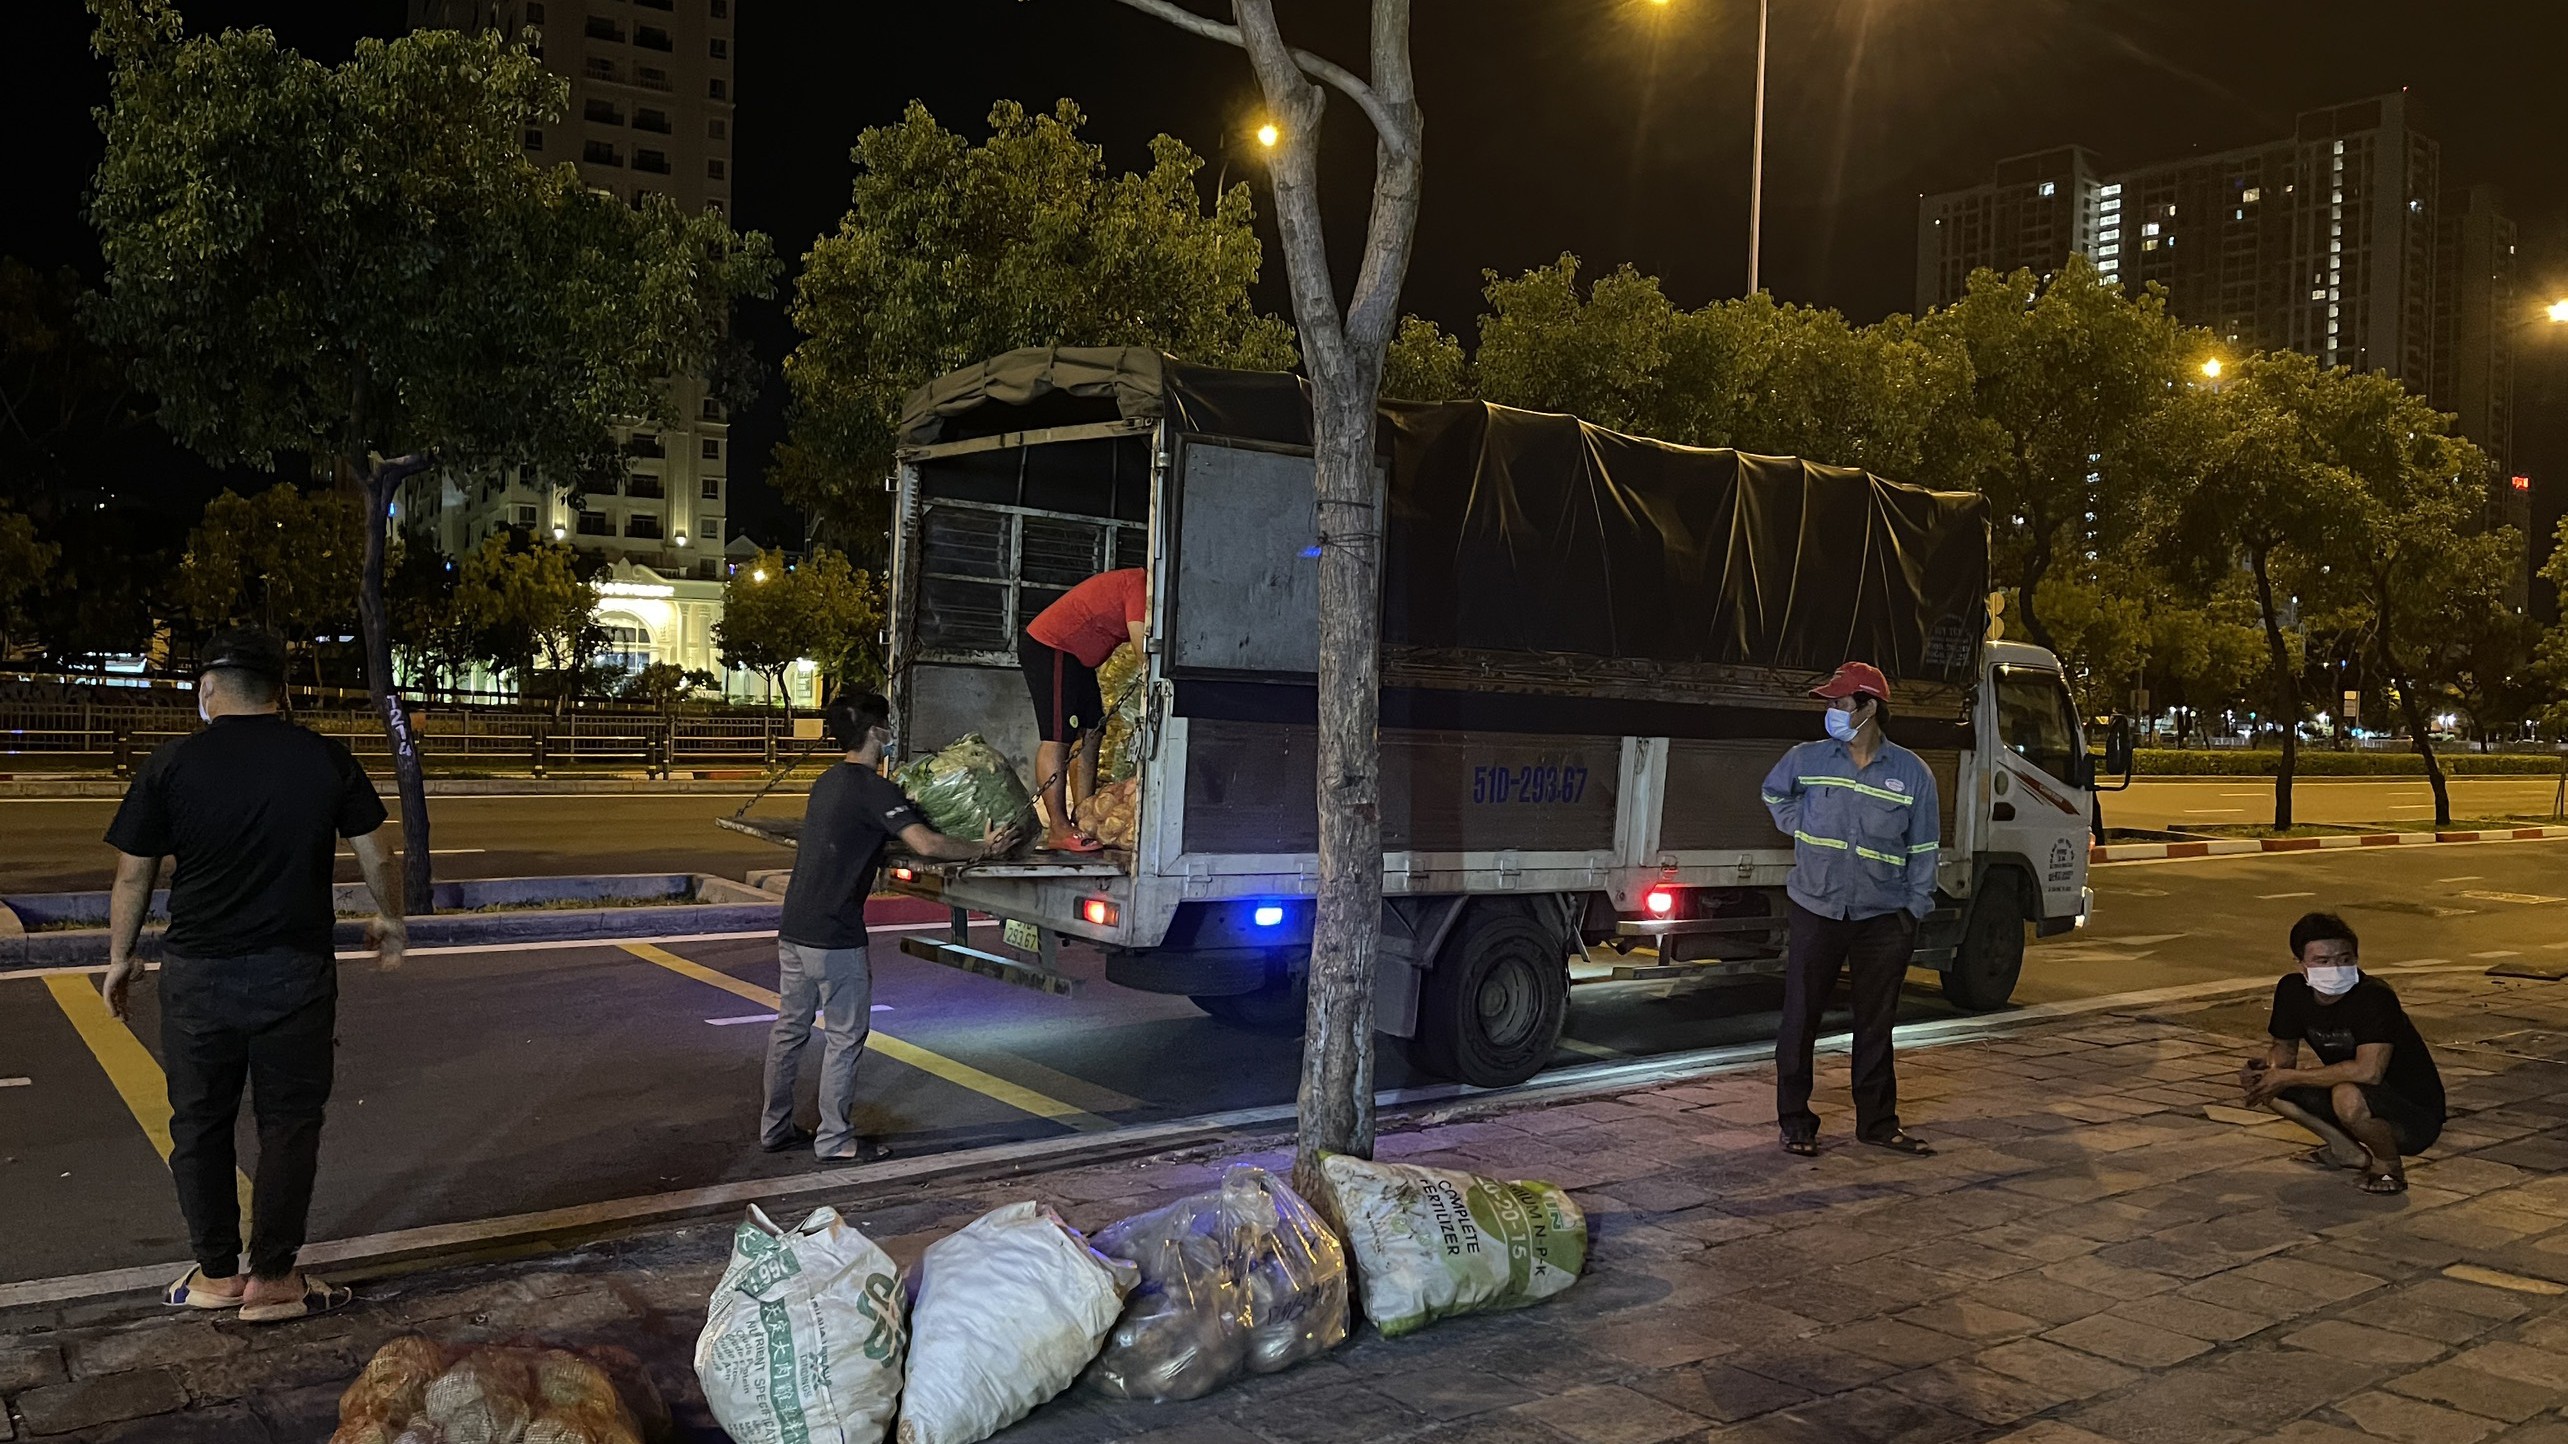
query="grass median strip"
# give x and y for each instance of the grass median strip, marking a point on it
(964, 1075)
(129, 1066)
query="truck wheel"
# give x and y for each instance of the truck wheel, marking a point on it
(1280, 1008)
(1490, 1010)
(1991, 954)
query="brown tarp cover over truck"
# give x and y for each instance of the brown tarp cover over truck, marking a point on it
(1539, 536)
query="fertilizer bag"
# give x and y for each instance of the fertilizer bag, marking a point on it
(1009, 1311)
(1243, 1279)
(1430, 1243)
(802, 1338)
(967, 787)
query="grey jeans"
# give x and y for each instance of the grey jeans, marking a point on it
(838, 984)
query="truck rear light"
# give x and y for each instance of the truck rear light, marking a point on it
(1661, 902)
(904, 874)
(1268, 916)
(1097, 912)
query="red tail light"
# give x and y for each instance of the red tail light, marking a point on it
(905, 874)
(1098, 912)
(1661, 902)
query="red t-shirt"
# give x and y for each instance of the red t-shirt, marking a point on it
(1094, 617)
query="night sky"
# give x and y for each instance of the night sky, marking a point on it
(1617, 129)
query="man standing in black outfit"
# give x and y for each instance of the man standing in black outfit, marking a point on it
(822, 968)
(252, 808)
(2375, 1094)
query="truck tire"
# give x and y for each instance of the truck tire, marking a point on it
(1280, 1008)
(1991, 954)
(1490, 1010)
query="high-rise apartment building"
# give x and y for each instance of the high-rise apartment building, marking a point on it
(651, 113)
(2334, 242)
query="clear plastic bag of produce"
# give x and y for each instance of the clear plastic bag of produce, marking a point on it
(1430, 1243)
(417, 1391)
(1243, 1279)
(1119, 681)
(967, 787)
(1010, 1309)
(802, 1337)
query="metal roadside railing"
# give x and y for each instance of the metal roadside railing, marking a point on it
(120, 736)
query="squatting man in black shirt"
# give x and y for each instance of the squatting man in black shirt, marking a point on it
(252, 807)
(2375, 1094)
(821, 963)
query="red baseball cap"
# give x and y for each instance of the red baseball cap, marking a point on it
(1854, 679)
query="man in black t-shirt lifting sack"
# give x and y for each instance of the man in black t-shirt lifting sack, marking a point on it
(2375, 1095)
(822, 969)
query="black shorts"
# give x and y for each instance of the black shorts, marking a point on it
(2414, 1125)
(1064, 689)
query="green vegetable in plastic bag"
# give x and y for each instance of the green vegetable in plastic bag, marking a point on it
(967, 787)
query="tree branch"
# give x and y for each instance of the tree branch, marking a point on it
(1385, 123)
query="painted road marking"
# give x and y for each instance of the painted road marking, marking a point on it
(2465, 877)
(2140, 940)
(1590, 1050)
(2528, 899)
(2193, 810)
(2270, 896)
(17, 1082)
(988, 1085)
(129, 1066)
(2498, 953)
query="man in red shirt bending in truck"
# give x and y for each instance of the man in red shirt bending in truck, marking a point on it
(1061, 651)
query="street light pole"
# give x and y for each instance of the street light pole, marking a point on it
(1756, 163)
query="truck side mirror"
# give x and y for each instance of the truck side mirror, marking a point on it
(2118, 746)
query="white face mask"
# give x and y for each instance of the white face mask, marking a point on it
(2333, 980)
(1842, 725)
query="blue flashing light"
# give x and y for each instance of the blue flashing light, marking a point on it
(1268, 916)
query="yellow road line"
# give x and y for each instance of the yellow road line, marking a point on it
(988, 1085)
(128, 1065)
(1590, 1050)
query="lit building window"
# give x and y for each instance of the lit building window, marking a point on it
(2149, 229)
(2252, 195)
(2049, 189)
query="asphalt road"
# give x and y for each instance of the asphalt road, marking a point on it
(2160, 802)
(478, 1084)
(50, 845)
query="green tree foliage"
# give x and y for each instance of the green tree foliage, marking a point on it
(2252, 485)
(952, 252)
(25, 561)
(2067, 372)
(822, 609)
(281, 559)
(526, 609)
(359, 262)
(665, 684)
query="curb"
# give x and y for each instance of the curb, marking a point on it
(2235, 846)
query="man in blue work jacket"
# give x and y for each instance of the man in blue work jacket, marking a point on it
(1861, 811)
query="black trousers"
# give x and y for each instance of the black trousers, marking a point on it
(1876, 950)
(268, 1021)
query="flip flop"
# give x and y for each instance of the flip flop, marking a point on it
(1903, 1142)
(319, 1297)
(181, 1294)
(2383, 1181)
(1073, 842)
(2320, 1158)
(1801, 1147)
(865, 1151)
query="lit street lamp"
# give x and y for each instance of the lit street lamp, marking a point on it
(1267, 135)
(2211, 369)
(2558, 311)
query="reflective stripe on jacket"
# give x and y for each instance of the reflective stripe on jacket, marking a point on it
(1865, 840)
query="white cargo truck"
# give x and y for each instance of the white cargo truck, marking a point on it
(1595, 646)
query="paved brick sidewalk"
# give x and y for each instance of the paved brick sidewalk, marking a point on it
(2091, 1256)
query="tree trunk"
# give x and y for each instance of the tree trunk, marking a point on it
(380, 480)
(1336, 1096)
(2286, 692)
(2036, 564)
(2412, 708)
(1343, 353)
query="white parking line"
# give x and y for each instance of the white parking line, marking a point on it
(2465, 877)
(2498, 953)
(2270, 896)
(17, 1082)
